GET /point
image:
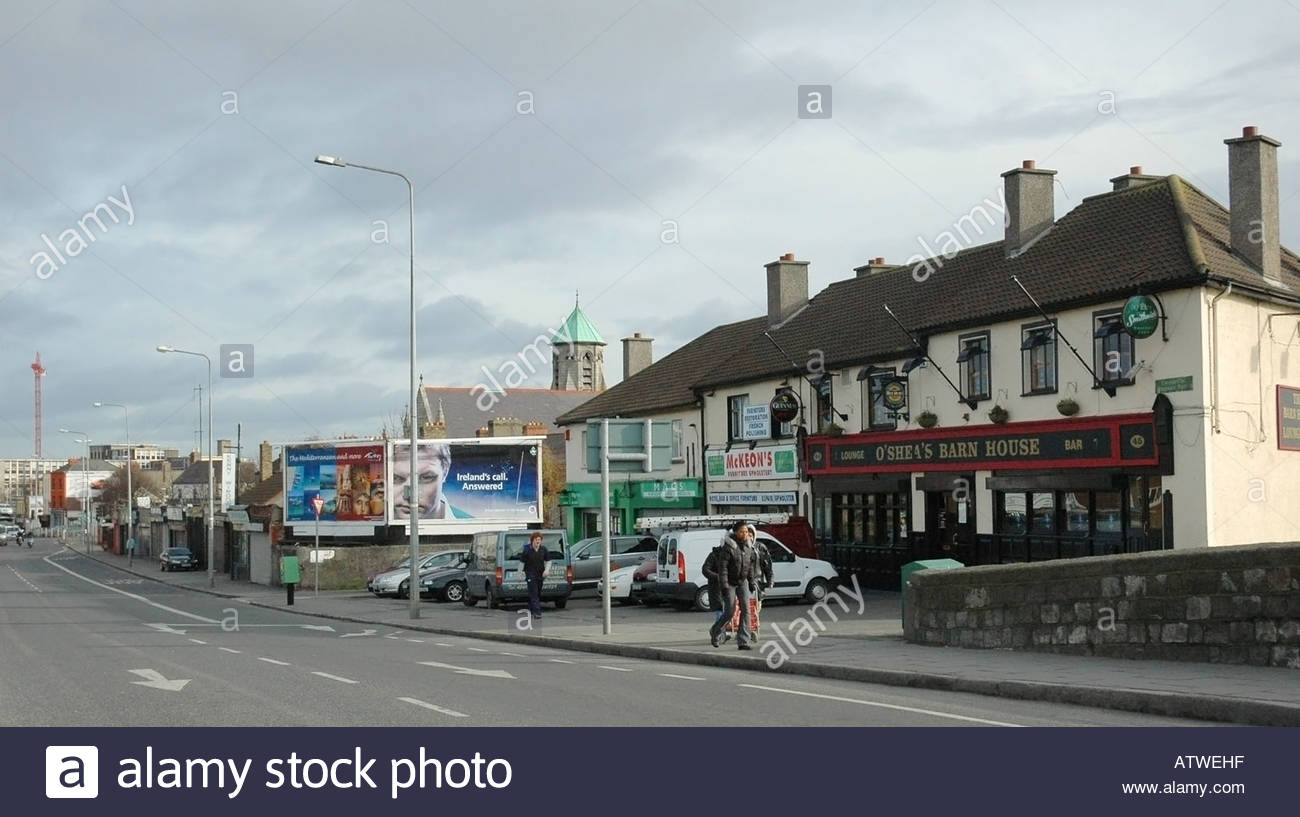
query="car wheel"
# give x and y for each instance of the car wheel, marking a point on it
(468, 600)
(560, 603)
(817, 589)
(401, 590)
(492, 600)
(702, 600)
(454, 591)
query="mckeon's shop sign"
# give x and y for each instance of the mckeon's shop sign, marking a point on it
(1094, 442)
(777, 462)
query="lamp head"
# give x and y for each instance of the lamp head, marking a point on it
(333, 161)
(164, 348)
(98, 404)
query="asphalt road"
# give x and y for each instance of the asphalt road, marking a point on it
(83, 644)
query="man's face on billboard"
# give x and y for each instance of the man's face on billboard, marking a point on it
(432, 473)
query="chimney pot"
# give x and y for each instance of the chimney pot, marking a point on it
(880, 261)
(1135, 170)
(1027, 164)
(788, 257)
(1249, 131)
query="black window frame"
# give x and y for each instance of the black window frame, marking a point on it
(983, 357)
(873, 392)
(824, 413)
(1029, 334)
(1108, 327)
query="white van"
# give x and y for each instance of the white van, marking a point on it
(680, 579)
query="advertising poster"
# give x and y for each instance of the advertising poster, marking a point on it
(348, 476)
(497, 481)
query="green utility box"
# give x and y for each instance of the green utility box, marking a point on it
(925, 564)
(289, 570)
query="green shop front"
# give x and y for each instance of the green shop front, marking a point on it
(628, 500)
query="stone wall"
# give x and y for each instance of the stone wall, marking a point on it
(1235, 605)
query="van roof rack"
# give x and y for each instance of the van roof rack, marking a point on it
(719, 521)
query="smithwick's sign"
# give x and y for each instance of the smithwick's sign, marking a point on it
(1093, 442)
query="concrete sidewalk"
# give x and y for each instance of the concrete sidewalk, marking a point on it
(864, 644)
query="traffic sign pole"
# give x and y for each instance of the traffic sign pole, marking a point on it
(604, 521)
(317, 504)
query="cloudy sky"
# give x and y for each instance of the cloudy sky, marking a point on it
(553, 146)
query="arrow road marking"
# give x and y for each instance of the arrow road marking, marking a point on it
(154, 679)
(434, 707)
(166, 628)
(324, 628)
(354, 635)
(486, 673)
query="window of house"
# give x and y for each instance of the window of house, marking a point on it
(973, 363)
(677, 441)
(823, 397)
(1038, 359)
(736, 416)
(1113, 349)
(878, 415)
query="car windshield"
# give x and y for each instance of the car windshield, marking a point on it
(516, 542)
(178, 552)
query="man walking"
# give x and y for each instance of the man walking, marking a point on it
(535, 558)
(747, 587)
(727, 567)
(710, 570)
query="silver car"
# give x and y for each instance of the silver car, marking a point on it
(629, 551)
(397, 582)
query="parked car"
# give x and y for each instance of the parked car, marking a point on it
(177, 559)
(398, 582)
(445, 583)
(496, 572)
(681, 582)
(10, 533)
(628, 551)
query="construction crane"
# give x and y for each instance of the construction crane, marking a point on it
(38, 371)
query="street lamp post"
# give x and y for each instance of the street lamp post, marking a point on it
(212, 579)
(414, 483)
(130, 461)
(85, 478)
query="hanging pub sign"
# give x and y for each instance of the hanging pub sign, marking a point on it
(894, 394)
(1140, 316)
(1288, 418)
(784, 406)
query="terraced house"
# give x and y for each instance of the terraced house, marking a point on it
(1119, 379)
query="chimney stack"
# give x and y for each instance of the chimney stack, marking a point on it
(265, 463)
(874, 266)
(535, 428)
(787, 288)
(637, 354)
(1031, 209)
(1253, 202)
(1134, 178)
(223, 446)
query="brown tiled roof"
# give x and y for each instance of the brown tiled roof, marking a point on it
(666, 384)
(197, 474)
(1163, 235)
(266, 492)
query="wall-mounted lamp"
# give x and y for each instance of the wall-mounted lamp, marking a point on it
(929, 402)
(914, 363)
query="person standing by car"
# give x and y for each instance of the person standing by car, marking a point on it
(535, 558)
(710, 571)
(727, 567)
(747, 587)
(764, 573)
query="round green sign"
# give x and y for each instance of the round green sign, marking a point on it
(1140, 316)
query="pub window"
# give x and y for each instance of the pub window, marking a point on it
(871, 519)
(973, 362)
(677, 442)
(824, 398)
(736, 416)
(1038, 359)
(878, 415)
(1113, 349)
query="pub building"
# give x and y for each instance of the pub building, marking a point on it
(1115, 380)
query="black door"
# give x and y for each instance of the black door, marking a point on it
(950, 525)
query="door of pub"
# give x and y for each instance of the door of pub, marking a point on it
(950, 521)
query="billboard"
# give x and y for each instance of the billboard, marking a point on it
(488, 479)
(347, 474)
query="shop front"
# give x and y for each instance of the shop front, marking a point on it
(762, 479)
(1011, 492)
(629, 499)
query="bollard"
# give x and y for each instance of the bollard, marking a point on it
(289, 588)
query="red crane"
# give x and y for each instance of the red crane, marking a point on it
(38, 371)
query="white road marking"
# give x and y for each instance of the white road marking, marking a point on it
(416, 640)
(683, 677)
(24, 578)
(135, 596)
(167, 628)
(560, 661)
(196, 641)
(477, 649)
(155, 680)
(434, 707)
(355, 635)
(227, 649)
(273, 661)
(391, 636)
(513, 654)
(615, 669)
(486, 673)
(442, 643)
(880, 705)
(338, 678)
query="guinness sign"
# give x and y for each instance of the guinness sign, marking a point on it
(784, 406)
